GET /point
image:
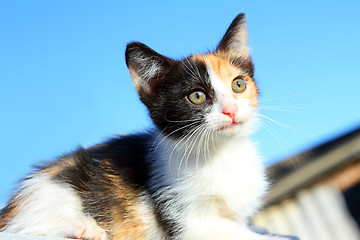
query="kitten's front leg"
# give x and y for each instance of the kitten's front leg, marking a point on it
(273, 237)
(87, 229)
(215, 228)
(249, 235)
(257, 236)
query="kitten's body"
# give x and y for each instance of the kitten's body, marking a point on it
(195, 176)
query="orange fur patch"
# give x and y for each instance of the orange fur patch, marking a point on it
(127, 217)
(60, 165)
(128, 226)
(227, 72)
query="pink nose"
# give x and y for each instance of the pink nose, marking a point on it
(231, 111)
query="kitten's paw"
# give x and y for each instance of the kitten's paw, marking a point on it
(89, 230)
(281, 238)
(271, 237)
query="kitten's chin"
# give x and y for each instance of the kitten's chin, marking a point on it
(242, 129)
(230, 127)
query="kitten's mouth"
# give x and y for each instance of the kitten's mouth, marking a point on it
(230, 126)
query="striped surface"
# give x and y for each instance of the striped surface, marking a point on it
(318, 213)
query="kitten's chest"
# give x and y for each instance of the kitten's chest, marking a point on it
(234, 177)
(234, 169)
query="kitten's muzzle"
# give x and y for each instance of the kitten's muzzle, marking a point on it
(231, 111)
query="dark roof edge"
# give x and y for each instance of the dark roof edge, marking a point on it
(315, 170)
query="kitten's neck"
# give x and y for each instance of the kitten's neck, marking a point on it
(203, 147)
(176, 159)
(208, 168)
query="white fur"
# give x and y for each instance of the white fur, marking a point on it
(145, 208)
(49, 208)
(224, 98)
(217, 196)
(212, 179)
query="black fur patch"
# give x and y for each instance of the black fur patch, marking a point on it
(245, 64)
(167, 102)
(142, 59)
(94, 169)
(170, 109)
(97, 172)
(127, 153)
(231, 34)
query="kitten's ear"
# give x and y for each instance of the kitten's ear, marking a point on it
(235, 38)
(147, 67)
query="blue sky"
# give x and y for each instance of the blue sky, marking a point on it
(64, 82)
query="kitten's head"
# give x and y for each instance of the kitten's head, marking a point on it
(213, 92)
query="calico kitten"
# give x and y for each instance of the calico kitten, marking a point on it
(194, 176)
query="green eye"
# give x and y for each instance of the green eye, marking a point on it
(238, 85)
(197, 97)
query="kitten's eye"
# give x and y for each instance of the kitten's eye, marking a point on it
(197, 97)
(238, 85)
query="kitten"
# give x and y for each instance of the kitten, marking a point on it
(194, 176)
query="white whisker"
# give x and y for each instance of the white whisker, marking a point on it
(171, 133)
(200, 146)
(189, 148)
(268, 98)
(191, 71)
(271, 131)
(277, 122)
(283, 109)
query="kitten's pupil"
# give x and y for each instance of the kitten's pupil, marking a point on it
(197, 95)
